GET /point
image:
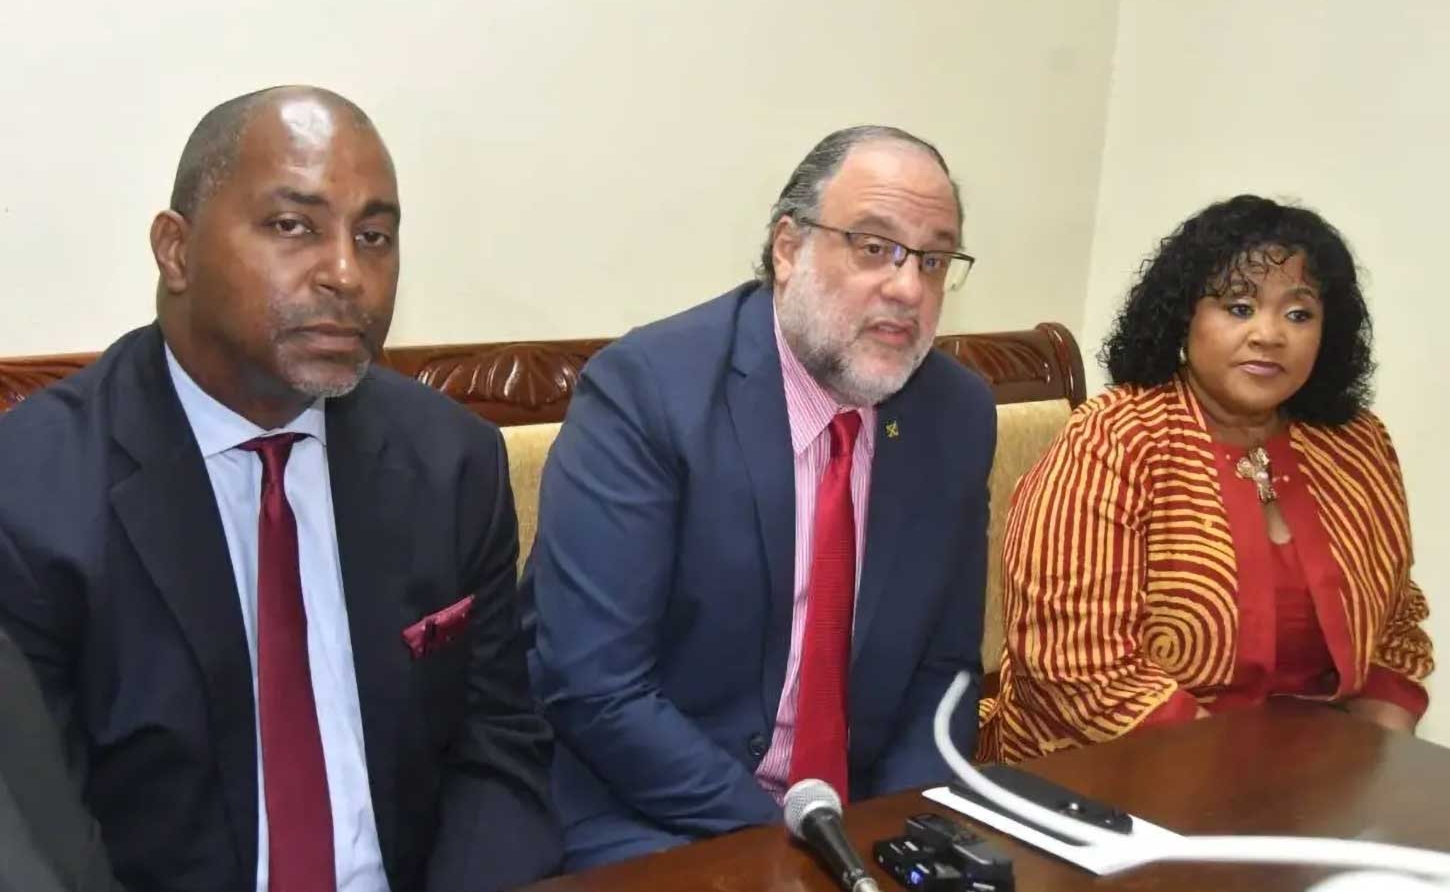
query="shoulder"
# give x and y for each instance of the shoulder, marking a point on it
(426, 419)
(1125, 425)
(76, 393)
(1364, 438)
(944, 378)
(57, 456)
(1365, 426)
(51, 422)
(1128, 409)
(1355, 461)
(678, 363)
(690, 340)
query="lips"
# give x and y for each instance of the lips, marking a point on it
(1262, 368)
(331, 330)
(893, 332)
(328, 339)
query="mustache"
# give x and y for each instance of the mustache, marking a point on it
(341, 315)
(907, 319)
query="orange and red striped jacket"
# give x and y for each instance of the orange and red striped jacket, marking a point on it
(1121, 578)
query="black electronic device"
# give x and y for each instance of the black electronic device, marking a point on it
(1049, 795)
(939, 855)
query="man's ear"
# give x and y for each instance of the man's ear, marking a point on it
(785, 244)
(169, 233)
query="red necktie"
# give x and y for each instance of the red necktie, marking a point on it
(299, 812)
(819, 749)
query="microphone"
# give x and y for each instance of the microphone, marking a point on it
(813, 816)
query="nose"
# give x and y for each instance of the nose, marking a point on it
(1268, 330)
(906, 284)
(337, 270)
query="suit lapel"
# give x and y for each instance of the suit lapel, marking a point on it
(372, 501)
(755, 395)
(897, 473)
(168, 510)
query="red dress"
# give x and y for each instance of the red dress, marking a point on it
(1288, 624)
(1302, 662)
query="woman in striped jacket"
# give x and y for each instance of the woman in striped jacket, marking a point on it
(1226, 524)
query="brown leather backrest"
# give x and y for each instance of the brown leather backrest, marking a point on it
(528, 382)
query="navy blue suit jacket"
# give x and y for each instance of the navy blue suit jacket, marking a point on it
(116, 582)
(662, 580)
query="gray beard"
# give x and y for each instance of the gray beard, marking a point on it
(331, 389)
(815, 337)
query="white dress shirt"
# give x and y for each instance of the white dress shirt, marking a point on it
(236, 479)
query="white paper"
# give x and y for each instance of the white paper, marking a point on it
(1099, 859)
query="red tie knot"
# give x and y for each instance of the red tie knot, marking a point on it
(844, 428)
(274, 451)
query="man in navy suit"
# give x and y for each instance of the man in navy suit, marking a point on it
(268, 589)
(762, 533)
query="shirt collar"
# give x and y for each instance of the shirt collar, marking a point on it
(218, 429)
(808, 406)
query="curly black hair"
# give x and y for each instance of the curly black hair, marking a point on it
(1208, 254)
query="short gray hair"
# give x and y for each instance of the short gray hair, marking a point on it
(801, 196)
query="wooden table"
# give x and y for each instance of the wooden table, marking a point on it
(1290, 768)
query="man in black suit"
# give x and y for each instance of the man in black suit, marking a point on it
(268, 589)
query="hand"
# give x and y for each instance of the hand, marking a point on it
(1383, 713)
(1202, 713)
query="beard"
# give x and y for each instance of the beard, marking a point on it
(339, 380)
(828, 339)
(322, 376)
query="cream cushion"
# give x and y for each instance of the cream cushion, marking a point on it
(1024, 431)
(528, 447)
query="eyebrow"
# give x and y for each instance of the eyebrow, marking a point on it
(378, 206)
(311, 199)
(373, 208)
(876, 221)
(949, 237)
(1256, 294)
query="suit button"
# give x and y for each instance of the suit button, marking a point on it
(757, 746)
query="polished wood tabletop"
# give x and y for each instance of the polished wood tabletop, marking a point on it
(1286, 769)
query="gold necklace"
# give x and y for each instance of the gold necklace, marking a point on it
(1255, 466)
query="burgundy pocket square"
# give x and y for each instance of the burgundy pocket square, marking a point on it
(437, 629)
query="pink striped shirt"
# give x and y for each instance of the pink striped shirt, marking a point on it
(810, 410)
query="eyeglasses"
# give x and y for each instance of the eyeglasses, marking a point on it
(946, 270)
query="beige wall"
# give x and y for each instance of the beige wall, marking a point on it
(1341, 105)
(567, 168)
(574, 168)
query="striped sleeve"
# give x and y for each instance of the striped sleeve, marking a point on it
(1075, 567)
(1403, 647)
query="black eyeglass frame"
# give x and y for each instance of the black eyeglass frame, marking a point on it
(899, 252)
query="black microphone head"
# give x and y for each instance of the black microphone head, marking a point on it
(806, 796)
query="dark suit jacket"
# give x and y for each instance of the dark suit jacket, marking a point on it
(115, 580)
(48, 842)
(662, 578)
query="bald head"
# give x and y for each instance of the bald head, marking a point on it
(212, 149)
(278, 259)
